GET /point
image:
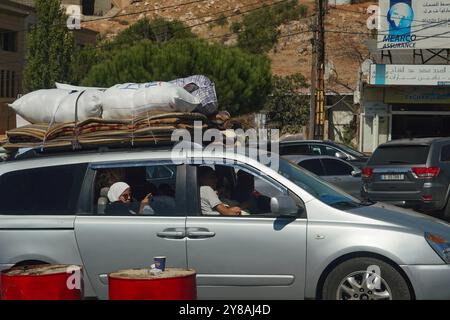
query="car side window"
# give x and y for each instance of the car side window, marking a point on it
(161, 172)
(295, 149)
(313, 165)
(445, 153)
(51, 190)
(330, 151)
(317, 150)
(336, 168)
(236, 186)
(155, 183)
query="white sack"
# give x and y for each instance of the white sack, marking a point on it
(75, 88)
(39, 106)
(89, 106)
(164, 96)
(118, 101)
(124, 101)
(58, 105)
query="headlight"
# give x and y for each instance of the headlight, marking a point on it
(440, 245)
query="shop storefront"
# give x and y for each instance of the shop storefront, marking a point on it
(406, 102)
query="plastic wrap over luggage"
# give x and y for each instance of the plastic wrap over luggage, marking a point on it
(58, 105)
(89, 106)
(125, 101)
(203, 88)
(118, 101)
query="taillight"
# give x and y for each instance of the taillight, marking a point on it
(366, 172)
(428, 172)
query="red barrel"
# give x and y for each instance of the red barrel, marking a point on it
(140, 284)
(42, 282)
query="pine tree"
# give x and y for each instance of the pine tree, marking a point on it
(50, 47)
(242, 80)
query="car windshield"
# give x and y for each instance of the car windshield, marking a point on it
(351, 151)
(317, 187)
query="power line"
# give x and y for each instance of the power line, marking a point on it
(359, 12)
(133, 13)
(164, 8)
(426, 24)
(109, 44)
(368, 34)
(213, 37)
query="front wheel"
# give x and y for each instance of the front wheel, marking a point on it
(365, 279)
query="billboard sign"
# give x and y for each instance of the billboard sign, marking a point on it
(413, 24)
(409, 75)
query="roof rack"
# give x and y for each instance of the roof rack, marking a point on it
(38, 152)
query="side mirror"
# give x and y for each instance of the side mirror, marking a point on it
(341, 155)
(283, 205)
(356, 173)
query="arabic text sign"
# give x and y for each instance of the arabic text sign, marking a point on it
(414, 24)
(418, 95)
(409, 75)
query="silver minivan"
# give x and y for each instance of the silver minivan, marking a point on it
(304, 240)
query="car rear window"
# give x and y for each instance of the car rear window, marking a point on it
(409, 154)
(45, 190)
(294, 149)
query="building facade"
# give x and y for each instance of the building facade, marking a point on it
(405, 95)
(405, 86)
(15, 17)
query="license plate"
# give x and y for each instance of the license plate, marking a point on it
(392, 177)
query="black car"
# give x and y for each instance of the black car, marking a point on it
(411, 173)
(323, 148)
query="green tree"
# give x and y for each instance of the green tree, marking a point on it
(242, 80)
(287, 108)
(258, 32)
(157, 30)
(50, 47)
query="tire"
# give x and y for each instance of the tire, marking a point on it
(390, 284)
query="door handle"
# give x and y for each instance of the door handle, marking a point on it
(200, 233)
(171, 233)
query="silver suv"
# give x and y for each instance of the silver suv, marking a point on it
(411, 173)
(309, 241)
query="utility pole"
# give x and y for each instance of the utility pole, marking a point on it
(317, 112)
(312, 109)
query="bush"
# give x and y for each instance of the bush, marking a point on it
(258, 32)
(222, 20)
(287, 108)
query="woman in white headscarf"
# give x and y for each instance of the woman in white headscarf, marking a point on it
(122, 202)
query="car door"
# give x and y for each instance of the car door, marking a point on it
(258, 256)
(109, 243)
(339, 173)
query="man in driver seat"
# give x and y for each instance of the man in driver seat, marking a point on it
(209, 200)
